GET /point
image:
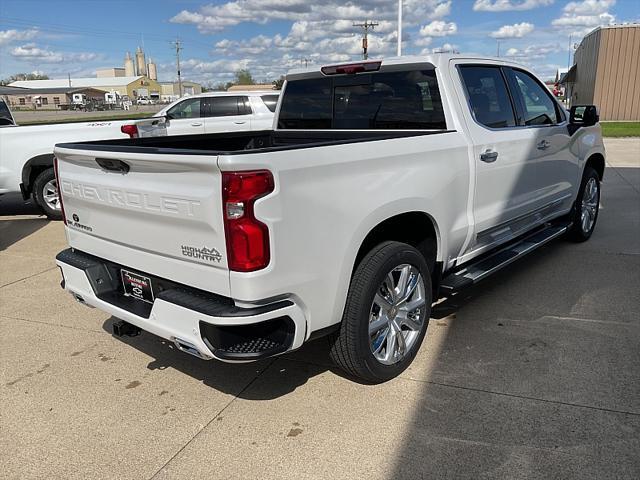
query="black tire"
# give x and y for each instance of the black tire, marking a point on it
(41, 183)
(577, 232)
(350, 346)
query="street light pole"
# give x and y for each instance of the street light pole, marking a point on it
(399, 28)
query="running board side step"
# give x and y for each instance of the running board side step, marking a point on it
(488, 264)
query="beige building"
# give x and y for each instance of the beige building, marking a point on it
(172, 89)
(246, 88)
(110, 72)
(606, 72)
(134, 87)
(48, 98)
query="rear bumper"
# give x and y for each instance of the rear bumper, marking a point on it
(203, 324)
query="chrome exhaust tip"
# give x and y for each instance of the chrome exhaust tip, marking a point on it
(190, 348)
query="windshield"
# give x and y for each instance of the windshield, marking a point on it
(395, 100)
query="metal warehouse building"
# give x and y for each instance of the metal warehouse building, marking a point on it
(606, 72)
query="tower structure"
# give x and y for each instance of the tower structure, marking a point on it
(152, 70)
(141, 64)
(129, 69)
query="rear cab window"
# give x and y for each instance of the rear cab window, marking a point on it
(385, 100)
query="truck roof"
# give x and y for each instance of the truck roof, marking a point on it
(438, 60)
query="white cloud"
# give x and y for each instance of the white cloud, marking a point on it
(517, 30)
(215, 18)
(509, 5)
(582, 17)
(30, 52)
(445, 48)
(438, 28)
(10, 36)
(533, 52)
(320, 33)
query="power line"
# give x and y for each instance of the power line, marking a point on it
(367, 25)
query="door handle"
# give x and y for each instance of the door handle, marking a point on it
(196, 124)
(543, 145)
(240, 123)
(489, 156)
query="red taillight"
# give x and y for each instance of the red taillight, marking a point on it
(131, 130)
(247, 238)
(55, 170)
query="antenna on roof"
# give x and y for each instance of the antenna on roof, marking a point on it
(69, 75)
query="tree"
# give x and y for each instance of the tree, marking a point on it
(23, 76)
(277, 84)
(244, 77)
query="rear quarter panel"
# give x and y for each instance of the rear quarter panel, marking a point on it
(327, 199)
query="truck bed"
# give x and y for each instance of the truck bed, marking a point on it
(229, 143)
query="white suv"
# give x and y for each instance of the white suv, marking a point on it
(221, 112)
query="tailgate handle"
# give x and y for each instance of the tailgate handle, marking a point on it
(113, 165)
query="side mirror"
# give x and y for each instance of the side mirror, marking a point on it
(584, 115)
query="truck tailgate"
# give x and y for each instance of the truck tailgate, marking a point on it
(157, 213)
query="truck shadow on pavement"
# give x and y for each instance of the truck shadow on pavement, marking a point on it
(222, 376)
(14, 230)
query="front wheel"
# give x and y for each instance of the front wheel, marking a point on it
(386, 313)
(45, 194)
(585, 212)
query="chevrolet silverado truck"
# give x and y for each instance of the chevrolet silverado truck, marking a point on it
(383, 186)
(26, 152)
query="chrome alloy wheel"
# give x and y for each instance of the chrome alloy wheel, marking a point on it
(589, 205)
(397, 314)
(50, 195)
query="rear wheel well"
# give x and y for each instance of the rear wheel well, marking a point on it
(414, 228)
(596, 161)
(34, 167)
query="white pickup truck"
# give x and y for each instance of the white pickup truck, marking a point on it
(383, 186)
(26, 153)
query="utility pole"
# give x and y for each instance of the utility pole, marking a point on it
(178, 46)
(305, 61)
(498, 52)
(399, 28)
(569, 52)
(367, 25)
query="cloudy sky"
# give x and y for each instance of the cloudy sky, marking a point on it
(268, 37)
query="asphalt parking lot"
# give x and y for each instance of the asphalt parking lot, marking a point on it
(533, 374)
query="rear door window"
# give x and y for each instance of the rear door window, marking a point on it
(227, 106)
(271, 101)
(383, 100)
(488, 96)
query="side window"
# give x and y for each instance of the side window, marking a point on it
(189, 108)
(270, 101)
(539, 108)
(488, 96)
(227, 106)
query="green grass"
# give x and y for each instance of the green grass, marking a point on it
(88, 118)
(620, 129)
